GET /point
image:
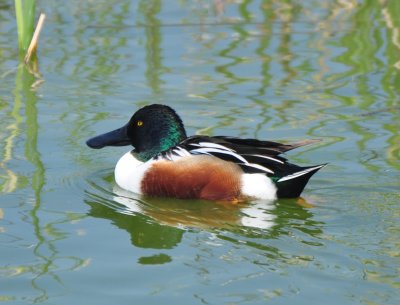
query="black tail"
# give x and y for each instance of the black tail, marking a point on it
(291, 185)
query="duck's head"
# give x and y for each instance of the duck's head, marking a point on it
(151, 130)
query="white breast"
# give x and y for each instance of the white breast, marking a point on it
(129, 172)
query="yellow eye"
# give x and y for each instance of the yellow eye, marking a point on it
(139, 123)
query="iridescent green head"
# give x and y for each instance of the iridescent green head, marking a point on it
(151, 130)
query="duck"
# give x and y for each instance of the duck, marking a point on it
(165, 162)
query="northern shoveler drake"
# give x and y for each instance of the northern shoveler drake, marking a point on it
(167, 163)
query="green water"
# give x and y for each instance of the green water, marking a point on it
(277, 70)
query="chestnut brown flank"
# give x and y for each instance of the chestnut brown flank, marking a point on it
(202, 177)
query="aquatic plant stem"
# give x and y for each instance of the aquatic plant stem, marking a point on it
(34, 42)
(25, 15)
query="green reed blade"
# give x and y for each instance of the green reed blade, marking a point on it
(25, 14)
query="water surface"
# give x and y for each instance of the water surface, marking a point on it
(265, 69)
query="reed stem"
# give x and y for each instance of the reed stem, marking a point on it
(25, 15)
(34, 42)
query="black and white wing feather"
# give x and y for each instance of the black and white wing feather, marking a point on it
(253, 156)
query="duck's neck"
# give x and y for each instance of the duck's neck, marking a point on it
(155, 146)
(143, 155)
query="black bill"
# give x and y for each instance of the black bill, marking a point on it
(118, 137)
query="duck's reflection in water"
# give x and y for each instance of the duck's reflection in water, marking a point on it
(160, 223)
(197, 213)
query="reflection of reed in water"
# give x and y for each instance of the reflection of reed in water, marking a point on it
(154, 68)
(45, 235)
(370, 81)
(9, 179)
